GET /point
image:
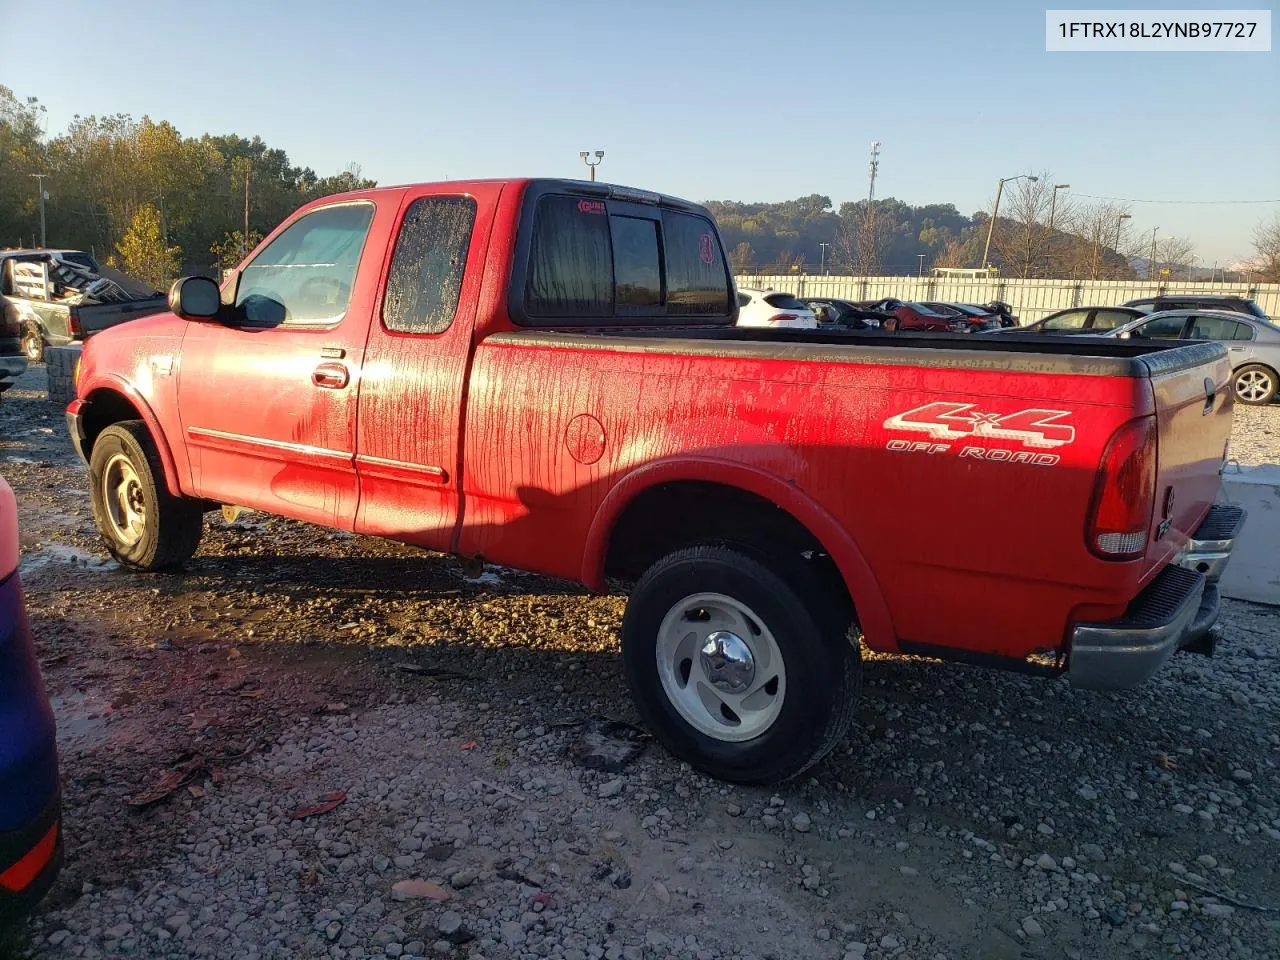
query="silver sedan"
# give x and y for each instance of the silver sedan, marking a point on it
(1252, 343)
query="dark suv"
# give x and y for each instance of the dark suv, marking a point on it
(1198, 301)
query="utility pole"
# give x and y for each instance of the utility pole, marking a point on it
(1053, 206)
(1151, 266)
(822, 263)
(39, 179)
(586, 158)
(873, 168)
(244, 236)
(995, 210)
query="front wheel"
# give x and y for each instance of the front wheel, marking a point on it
(733, 666)
(143, 524)
(32, 344)
(1255, 384)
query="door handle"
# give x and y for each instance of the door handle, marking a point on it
(331, 376)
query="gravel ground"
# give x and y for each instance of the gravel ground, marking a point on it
(373, 755)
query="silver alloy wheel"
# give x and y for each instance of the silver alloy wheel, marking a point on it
(1253, 385)
(721, 667)
(122, 500)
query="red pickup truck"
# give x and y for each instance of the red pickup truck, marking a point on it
(547, 375)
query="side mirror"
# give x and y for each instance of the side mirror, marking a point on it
(194, 298)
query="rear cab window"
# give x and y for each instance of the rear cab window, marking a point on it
(785, 301)
(605, 260)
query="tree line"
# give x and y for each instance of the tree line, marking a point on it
(157, 203)
(140, 194)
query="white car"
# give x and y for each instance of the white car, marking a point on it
(770, 308)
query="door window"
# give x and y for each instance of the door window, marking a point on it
(1109, 319)
(1071, 320)
(305, 275)
(1219, 328)
(1163, 328)
(427, 266)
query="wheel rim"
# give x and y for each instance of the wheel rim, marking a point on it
(31, 346)
(721, 667)
(1253, 385)
(122, 498)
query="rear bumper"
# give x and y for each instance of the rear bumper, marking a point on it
(1176, 610)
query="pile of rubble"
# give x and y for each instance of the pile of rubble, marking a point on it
(62, 281)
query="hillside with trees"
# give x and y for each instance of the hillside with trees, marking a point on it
(141, 193)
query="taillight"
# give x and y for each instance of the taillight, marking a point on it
(1124, 493)
(783, 318)
(73, 323)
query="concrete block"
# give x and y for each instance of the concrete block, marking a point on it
(1254, 570)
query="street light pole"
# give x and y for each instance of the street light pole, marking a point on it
(995, 211)
(1119, 223)
(1151, 265)
(920, 268)
(586, 158)
(822, 263)
(39, 179)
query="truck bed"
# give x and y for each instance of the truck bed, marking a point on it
(1027, 353)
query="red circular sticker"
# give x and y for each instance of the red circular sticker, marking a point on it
(707, 248)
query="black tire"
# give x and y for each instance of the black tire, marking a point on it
(170, 527)
(1259, 381)
(823, 668)
(32, 343)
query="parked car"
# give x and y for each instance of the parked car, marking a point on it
(844, 314)
(905, 315)
(979, 319)
(1253, 345)
(534, 395)
(12, 361)
(1086, 320)
(55, 298)
(770, 308)
(30, 803)
(1198, 301)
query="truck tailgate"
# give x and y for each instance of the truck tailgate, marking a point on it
(1193, 405)
(96, 317)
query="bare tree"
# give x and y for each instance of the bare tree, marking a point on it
(871, 235)
(1021, 234)
(1266, 240)
(740, 257)
(954, 253)
(1099, 228)
(1174, 256)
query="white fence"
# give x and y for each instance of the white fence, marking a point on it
(1030, 299)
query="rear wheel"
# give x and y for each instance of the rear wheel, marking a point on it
(1255, 384)
(143, 524)
(736, 665)
(32, 343)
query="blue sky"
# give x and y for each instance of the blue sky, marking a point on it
(703, 98)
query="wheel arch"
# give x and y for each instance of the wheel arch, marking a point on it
(110, 400)
(798, 507)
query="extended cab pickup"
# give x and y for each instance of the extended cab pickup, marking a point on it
(547, 375)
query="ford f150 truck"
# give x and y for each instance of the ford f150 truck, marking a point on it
(547, 375)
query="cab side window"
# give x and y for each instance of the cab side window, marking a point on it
(304, 276)
(428, 264)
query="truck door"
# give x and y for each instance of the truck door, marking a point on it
(416, 366)
(268, 398)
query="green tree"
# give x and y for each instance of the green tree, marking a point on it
(143, 251)
(231, 249)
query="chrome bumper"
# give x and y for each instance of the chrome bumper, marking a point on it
(1176, 610)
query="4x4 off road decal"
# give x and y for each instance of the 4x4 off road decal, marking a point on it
(1037, 428)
